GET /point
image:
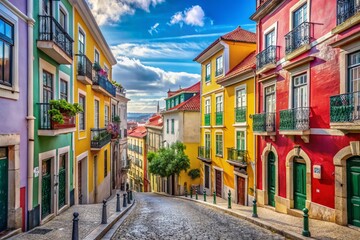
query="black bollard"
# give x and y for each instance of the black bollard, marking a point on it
(118, 209)
(131, 195)
(185, 193)
(124, 201)
(128, 198)
(104, 213)
(75, 230)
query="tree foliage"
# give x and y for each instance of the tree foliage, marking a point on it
(169, 161)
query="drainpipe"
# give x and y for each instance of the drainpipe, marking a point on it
(30, 118)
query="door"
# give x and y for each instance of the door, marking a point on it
(79, 182)
(207, 177)
(299, 185)
(270, 39)
(270, 106)
(241, 190)
(95, 178)
(271, 179)
(218, 183)
(300, 103)
(3, 189)
(46, 190)
(353, 188)
(62, 180)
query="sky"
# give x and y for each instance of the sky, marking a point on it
(155, 41)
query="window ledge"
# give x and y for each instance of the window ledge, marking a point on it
(240, 124)
(297, 52)
(350, 22)
(266, 68)
(219, 155)
(9, 93)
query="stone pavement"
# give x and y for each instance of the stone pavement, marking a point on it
(287, 225)
(60, 227)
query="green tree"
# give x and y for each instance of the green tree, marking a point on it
(169, 161)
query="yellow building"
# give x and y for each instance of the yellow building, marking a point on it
(227, 144)
(93, 90)
(137, 154)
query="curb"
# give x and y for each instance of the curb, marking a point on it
(101, 230)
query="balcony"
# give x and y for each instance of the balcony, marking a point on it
(347, 15)
(126, 165)
(204, 154)
(84, 69)
(47, 127)
(99, 138)
(121, 91)
(219, 118)
(102, 85)
(54, 40)
(207, 119)
(345, 112)
(266, 60)
(264, 7)
(264, 124)
(237, 158)
(240, 114)
(298, 40)
(295, 121)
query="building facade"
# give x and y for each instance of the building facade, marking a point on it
(181, 123)
(308, 146)
(218, 124)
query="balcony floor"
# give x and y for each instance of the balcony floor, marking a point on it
(54, 51)
(56, 132)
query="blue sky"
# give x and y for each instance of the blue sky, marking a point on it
(155, 41)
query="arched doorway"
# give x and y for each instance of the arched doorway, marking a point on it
(353, 190)
(271, 179)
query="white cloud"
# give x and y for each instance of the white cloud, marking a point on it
(154, 28)
(193, 16)
(110, 11)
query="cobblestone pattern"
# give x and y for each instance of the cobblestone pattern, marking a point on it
(161, 217)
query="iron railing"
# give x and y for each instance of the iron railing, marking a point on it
(240, 114)
(264, 122)
(346, 9)
(219, 118)
(345, 107)
(298, 37)
(84, 66)
(204, 152)
(207, 119)
(237, 155)
(103, 82)
(46, 123)
(51, 30)
(99, 137)
(295, 119)
(120, 90)
(267, 56)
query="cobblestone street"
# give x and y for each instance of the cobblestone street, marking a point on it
(161, 217)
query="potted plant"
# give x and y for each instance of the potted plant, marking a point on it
(113, 129)
(62, 113)
(96, 67)
(194, 173)
(116, 119)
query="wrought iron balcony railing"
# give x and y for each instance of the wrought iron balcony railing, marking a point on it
(51, 30)
(236, 155)
(295, 119)
(219, 118)
(345, 107)
(264, 122)
(207, 119)
(46, 123)
(84, 66)
(103, 82)
(240, 114)
(298, 37)
(204, 152)
(346, 9)
(267, 56)
(99, 137)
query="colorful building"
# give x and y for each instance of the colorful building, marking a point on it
(308, 110)
(94, 91)
(218, 122)
(15, 25)
(181, 124)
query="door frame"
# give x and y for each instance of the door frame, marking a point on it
(83, 157)
(222, 179)
(64, 150)
(236, 175)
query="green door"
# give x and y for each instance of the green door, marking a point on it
(353, 186)
(3, 188)
(46, 188)
(271, 179)
(62, 181)
(299, 185)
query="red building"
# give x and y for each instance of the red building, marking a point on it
(308, 107)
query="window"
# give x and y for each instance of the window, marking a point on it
(172, 103)
(46, 7)
(207, 106)
(270, 39)
(240, 140)
(62, 18)
(219, 103)
(113, 111)
(82, 114)
(176, 101)
(219, 66)
(219, 144)
(300, 94)
(81, 42)
(97, 124)
(6, 50)
(182, 98)
(207, 141)
(167, 125)
(354, 72)
(172, 126)
(240, 98)
(105, 163)
(300, 16)
(106, 69)
(63, 89)
(97, 56)
(270, 99)
(106, 115)
(207, 72)
(47, 86)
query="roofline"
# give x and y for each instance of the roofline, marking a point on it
(181, 93)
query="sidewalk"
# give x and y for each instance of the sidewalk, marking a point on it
(89, 222)
(286, 225)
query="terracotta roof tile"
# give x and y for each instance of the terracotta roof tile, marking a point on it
(138, 132)
(156, 120)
